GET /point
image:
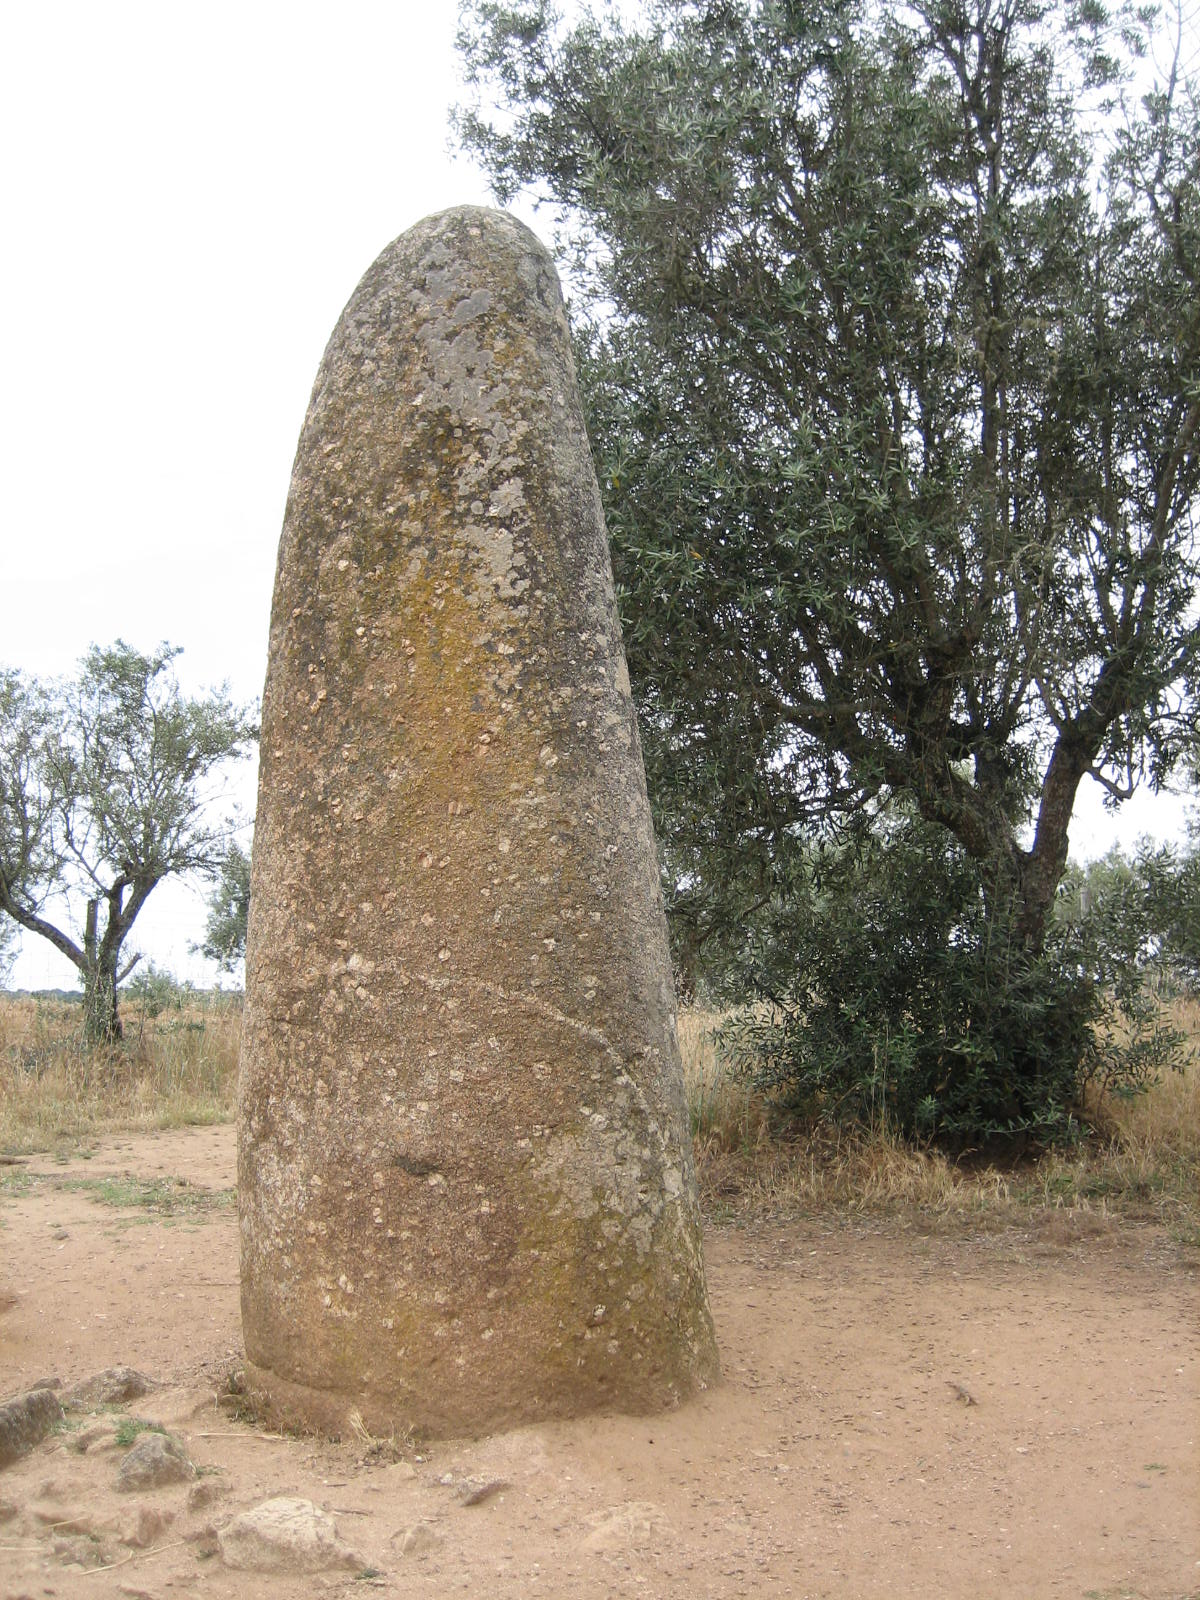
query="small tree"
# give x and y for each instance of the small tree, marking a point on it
(228, 911)
(1137, 915)
(893, 1000)
(102, 796)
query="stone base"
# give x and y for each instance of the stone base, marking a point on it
(280, 1404)
(287, 1407)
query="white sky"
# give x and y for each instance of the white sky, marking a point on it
(190, 194)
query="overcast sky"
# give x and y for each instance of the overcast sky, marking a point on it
(190, 194)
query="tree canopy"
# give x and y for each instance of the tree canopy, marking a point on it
(103, 795)
(889, 336)
(8, 946)
(228, 911)
(896, 397)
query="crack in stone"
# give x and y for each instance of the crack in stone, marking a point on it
(594, 1035)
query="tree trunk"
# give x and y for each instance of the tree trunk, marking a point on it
(1041, 867)
(101, 1023)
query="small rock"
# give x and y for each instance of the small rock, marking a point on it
(155, 1459)
(634, 1525)
(8, 1510)
(474, 1493)
(205, 1541)
(79, 1550)
(25, 1422)
(285, 1535)
(147, 1528)
(204, 1493)
(112, 1387)
(419, 1539)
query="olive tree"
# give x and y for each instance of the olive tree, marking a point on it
(109, 783)
(893, 377)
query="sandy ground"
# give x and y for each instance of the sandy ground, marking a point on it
(1012, 1413)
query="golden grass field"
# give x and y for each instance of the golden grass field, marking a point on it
(180, 1068)
(176, 1069)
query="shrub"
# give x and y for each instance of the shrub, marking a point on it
(894, 994)
(154, 991)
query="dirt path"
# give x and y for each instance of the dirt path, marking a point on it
(1008, 1414)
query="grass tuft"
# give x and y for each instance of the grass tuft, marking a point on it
(130, 1429)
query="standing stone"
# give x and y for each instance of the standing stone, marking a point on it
(465, 1183)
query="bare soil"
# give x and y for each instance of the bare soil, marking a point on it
(1011, 1412)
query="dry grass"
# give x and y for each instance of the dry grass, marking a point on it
(172, 1070)
(1144, 1157)
(1167, 1119)
(180, 1068)
(1146, 1150)
(727, 1114)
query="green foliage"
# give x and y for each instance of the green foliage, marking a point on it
(130, 1429)
(8, 947)
(153, 991)
(1136, 918)
(102, 796)
(894, 390)
(1181, 919)
(895, 995)
(229, 911)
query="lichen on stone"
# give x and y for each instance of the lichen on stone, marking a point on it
(461, 1116)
